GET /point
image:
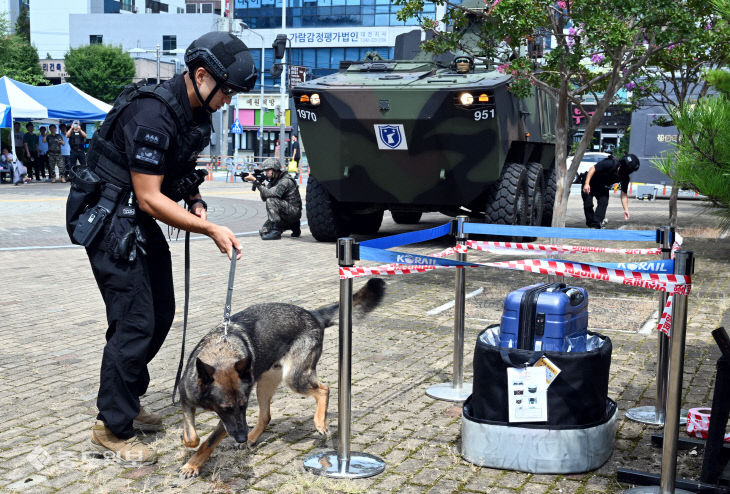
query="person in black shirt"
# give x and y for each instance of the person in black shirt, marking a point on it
(76, 139)
(598, 181)
(144, 159)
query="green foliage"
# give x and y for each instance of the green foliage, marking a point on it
(18, 59)
(22, 24)
(720, 79)
(100, 70)
(702, 159)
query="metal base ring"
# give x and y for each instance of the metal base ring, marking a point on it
(652, 489)
(328, 464)
(648, 415)
(447, 392)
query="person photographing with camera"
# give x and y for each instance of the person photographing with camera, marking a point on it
(76, 139)
(141, 163)
(282, 198)
(597, 182)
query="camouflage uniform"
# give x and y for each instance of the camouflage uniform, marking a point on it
(55, 159)
(283, 204)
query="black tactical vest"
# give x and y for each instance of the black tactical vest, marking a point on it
(190, 138)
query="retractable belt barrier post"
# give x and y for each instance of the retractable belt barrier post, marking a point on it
(343, 463)
(684, 265)
(457, 390)
(654, 415)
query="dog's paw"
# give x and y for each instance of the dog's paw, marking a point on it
(242, 446)
(188, 471)
(323, 429)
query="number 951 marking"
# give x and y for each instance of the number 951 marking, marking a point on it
(483, 114)
(307, 115)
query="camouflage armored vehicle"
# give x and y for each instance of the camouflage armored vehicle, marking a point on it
(415, 136)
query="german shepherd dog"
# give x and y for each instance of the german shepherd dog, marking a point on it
(266, 343)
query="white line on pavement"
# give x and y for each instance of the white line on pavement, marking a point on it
(449, 305)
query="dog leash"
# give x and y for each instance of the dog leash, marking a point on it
(226, 309)
(229, 296)
(185, 315)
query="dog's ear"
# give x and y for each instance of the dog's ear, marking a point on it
(243, 367)
(205, 371)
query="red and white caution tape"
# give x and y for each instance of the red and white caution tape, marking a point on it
(665, 321)
(500, 247)
(670, 283)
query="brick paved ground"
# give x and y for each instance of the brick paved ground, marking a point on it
(52, 333)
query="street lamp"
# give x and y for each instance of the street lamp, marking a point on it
(156, 51)
(261, 116)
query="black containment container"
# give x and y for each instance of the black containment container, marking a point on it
(580, 431)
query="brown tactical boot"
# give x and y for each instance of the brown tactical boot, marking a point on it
(147, 421)
(130, 451)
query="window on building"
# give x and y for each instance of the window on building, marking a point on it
(206, 8)
(191, 8)
(126, 5)
(96, 39)
(169, 42)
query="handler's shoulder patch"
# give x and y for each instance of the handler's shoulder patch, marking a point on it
(148, 157)
(150, 137)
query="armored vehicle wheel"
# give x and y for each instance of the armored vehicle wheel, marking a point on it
(508, 200)
(406, 217)
(325, 221)
(551, 186)
(536, 192)
(366, 223)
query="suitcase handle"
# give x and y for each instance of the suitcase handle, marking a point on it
(507, 358)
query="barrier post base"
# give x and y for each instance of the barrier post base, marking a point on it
(648, 415)
(447, 392)
(359, 466)
(653, 489)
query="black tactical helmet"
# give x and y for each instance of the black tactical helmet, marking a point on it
(630, 162)
(226, 58)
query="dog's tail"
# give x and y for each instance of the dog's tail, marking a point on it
(365, 300)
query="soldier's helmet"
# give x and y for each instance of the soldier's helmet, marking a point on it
(271, 164)
(463, 64)
(225, 57)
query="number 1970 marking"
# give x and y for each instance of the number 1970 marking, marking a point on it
(307, 115)
(483, 114)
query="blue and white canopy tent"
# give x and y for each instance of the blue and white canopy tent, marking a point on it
(61, 102)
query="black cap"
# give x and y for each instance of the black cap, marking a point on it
(225, 57)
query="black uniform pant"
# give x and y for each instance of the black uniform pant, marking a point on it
(77, 154)
(594, 218)
(140, 306)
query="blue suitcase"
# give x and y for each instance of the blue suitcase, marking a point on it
(545, 317)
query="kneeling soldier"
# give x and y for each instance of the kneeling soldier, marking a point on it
(283, 202)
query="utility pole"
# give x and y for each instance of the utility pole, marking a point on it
(282, 89)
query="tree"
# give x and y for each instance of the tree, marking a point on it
(600, 46)
(18, 59)
(100, 70)
(22, 24)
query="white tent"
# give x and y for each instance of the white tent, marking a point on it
(62, 102)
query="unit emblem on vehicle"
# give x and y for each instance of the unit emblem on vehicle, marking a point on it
(391, 136)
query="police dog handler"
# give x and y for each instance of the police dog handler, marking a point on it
(282, 198)
(140, 162)
(598, 181)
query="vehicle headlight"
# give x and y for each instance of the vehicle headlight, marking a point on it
(314, 99)
(466, 98)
